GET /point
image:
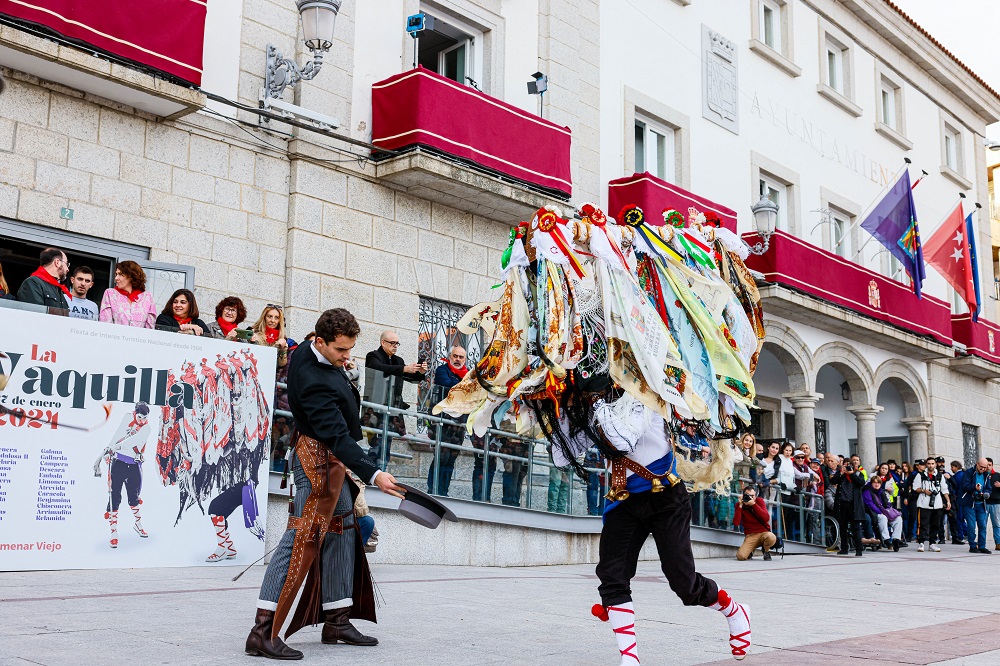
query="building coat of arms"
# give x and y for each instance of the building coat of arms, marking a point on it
(874, 298)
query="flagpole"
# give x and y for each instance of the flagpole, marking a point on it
(878, 197)
(878, 200)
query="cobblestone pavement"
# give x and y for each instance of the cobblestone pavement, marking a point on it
(883, 608)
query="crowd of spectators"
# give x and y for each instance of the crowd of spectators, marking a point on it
(889, 508)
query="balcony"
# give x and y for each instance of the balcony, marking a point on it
(654, 195)
(121, 53)
(460, 147)
(816, 287)
(981, 358)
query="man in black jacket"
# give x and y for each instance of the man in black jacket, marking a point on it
(45, 286)
(325, 406)
(384, 368)
(850, 508)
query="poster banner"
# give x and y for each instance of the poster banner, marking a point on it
(127, 447)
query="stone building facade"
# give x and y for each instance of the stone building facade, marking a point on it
(273, 214)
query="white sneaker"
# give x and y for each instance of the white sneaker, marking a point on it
(920, 548)
(935, 548)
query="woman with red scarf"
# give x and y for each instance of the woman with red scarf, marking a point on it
(181, 314)
(270, 330)
(229, 314)
(129, 304)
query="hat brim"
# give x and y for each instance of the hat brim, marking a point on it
(423, 509)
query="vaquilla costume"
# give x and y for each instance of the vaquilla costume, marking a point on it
(611, 336)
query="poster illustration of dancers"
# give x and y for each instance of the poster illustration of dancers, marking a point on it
(213, 451)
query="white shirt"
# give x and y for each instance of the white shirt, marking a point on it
(325, 361)
(652, 445)
(937, 484)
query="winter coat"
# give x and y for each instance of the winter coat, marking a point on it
(849, 491)
(35, 290)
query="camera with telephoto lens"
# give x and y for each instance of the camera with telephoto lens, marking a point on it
(746, 497)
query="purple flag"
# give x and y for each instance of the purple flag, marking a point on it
(893, 223)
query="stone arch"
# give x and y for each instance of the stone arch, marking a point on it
(852, 365)
(793, 354)
(910, 385)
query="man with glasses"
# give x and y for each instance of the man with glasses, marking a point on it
(975, 490)
(385, 372)
(45, 286)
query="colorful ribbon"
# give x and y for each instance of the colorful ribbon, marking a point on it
(549, 222)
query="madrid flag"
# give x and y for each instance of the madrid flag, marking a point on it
(948, 252)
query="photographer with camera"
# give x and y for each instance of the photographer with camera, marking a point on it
(975, 489)
(849, 506)
(931, 490)
(752, 514)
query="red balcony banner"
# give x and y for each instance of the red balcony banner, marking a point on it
(655, 195)
(166, 35)
(419, 107)
(981, 338)
(793, 262)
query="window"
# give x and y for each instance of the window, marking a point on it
(654, 149)
(840, 226)
(436, 335)
(952, 141)
(893, 269)
(778, 194)
(836, 81)
(452, 49)
(888, 98)
(770, 27)
(835, 67)
(770, 24)
(970, 444)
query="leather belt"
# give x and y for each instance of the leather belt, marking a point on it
(619, 473)
(336, 525)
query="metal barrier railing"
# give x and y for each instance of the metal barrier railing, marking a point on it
(707, 506)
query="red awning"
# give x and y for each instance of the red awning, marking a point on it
(981, 338)
(419, 107)
(166, 35)
(654, 196)
(803, 266)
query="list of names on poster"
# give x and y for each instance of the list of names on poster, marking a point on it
(53, 487)
(9, 458)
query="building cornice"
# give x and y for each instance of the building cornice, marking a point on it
(917, 45)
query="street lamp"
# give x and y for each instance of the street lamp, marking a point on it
(765, 214)
(318, 20)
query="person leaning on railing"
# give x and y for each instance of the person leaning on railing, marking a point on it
(449, 373)
(181, 314)
(129, 304)
(752, 514)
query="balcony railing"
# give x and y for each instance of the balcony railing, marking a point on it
(980, 338)
(419, 108)
(450, 463)
(804, 267)
(655, 195)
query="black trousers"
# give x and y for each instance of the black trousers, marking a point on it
(667, 516)
(849, 526)
(929, 525)
(130, 476)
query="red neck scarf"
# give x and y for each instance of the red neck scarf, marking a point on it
(226, 326)
(46, 277)
(458, 371)
(132, 297)
(182, 320)
(271, 335)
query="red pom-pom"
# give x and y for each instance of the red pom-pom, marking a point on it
(600, 612)
(724, 599)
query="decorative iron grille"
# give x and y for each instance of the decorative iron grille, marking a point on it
(821, 429)
(436, 335)
(970, 444)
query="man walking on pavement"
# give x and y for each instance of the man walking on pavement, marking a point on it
(973, 493)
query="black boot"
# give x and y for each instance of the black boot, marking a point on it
(259, 643)
(338, 627)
